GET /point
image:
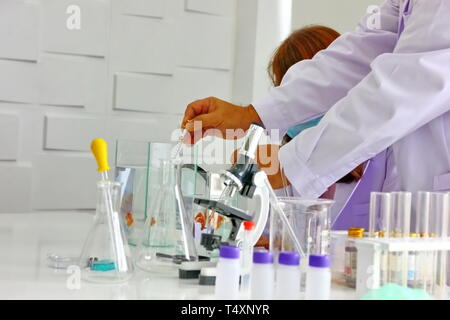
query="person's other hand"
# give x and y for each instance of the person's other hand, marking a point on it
(267, 159)
(202, 116)
(263, 242)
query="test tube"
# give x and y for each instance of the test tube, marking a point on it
(422, 276)
(439, 214)
(401, 214)
(423, 213)
(439, 224)
(379, 226)
(380, 213)
(400, 228)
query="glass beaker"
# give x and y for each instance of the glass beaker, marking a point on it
(168, 232)
(106, 256)
(310, 220)
(137, 168)
(311, 223)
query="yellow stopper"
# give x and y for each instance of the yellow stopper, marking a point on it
(356, 232)
(99, 148)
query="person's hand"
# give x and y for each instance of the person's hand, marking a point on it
(263, 242)
(267, 159)
(202, 116)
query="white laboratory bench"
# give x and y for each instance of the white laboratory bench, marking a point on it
(26, 239)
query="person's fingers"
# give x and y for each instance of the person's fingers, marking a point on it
(188, 138)
(204, 122)
(196, 108)
(213, 132)
(193, 137)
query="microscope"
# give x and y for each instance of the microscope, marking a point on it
(243, 177)
(246, 178)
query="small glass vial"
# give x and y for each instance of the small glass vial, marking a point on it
(351, 254)
(318, 278)
(288, 276)
(246, 260)
(228, 272)
(263, 277)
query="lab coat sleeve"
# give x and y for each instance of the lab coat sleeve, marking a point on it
(311, 87)
(405, 90)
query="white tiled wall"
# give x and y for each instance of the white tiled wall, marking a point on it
(341, 15)
(128, 72)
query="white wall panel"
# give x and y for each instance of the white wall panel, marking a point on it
(18, 81)
(148, 8)
(31, 130)
(193, 84)
(341, 15)
(142, 45)
(9, 136)
(64, 182)
(156, 130)
(15, 189)
(72, 81)
(205, 41)
(19, 30)
(90, 39)
(127, 74)
(147, 93)
(72, 133)
(217, 7)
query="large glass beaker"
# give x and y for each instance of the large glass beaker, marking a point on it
(168, 232)
(310, 220)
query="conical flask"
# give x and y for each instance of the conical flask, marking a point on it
(105, 256)
(168, 236)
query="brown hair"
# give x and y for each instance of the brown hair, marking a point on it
(301, 45)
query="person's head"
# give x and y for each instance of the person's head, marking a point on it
(304, 44)
(301, 45)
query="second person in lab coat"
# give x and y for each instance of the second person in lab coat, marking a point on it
(352, 192)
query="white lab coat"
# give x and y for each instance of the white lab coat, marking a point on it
(377, 88)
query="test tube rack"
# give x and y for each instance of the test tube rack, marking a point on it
(370, 251)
